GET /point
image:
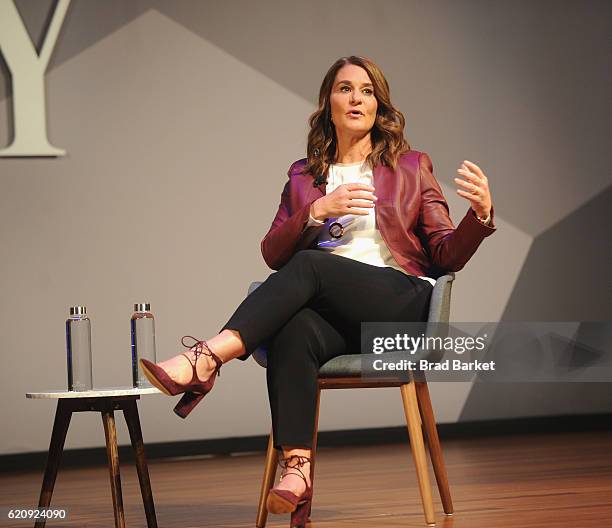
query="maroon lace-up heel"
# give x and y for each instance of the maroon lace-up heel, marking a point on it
(284, 501)
(196, 389)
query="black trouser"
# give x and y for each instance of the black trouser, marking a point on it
(310, 311)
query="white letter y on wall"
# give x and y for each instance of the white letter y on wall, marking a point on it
(28, 80)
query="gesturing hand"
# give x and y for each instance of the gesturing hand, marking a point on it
(348, 198)
(476, 188)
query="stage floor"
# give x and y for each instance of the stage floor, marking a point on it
(528, 481)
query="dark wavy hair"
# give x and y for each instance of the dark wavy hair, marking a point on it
(387, 134)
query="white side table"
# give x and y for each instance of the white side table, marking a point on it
(104, 401)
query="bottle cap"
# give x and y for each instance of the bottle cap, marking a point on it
(142, 307)
(78, 310)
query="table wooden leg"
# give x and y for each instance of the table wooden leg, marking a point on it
(108, 419)
(63, 414)
(130, 412)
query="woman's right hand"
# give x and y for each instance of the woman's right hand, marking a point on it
(348, 198)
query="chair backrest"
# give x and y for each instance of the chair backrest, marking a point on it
(439, 306)
(253, 287)
(439, 311)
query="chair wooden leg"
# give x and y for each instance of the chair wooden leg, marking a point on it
(413, 421)
(108, 419)
(63, 414)
(267, 483)
(433, 443)
(313, 449)
(130, 412)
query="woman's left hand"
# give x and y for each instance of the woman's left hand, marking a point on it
(475, 189)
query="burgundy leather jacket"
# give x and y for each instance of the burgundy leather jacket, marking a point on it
(411, 214)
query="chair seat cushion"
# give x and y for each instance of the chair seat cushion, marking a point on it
(355, 365)
(349, 365)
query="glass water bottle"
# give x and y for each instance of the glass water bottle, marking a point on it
(143, 342)
(78, 348)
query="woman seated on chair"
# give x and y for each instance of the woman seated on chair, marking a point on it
(361, 232)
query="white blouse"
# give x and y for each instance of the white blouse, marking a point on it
(361, 239)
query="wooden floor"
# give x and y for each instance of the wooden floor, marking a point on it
(558, 480)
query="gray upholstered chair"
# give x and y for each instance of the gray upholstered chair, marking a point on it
(345, 372)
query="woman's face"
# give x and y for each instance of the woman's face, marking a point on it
(353, 105)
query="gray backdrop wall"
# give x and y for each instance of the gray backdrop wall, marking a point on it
(180, 119)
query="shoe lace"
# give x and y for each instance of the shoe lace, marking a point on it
(295, 462)
(200, 348)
